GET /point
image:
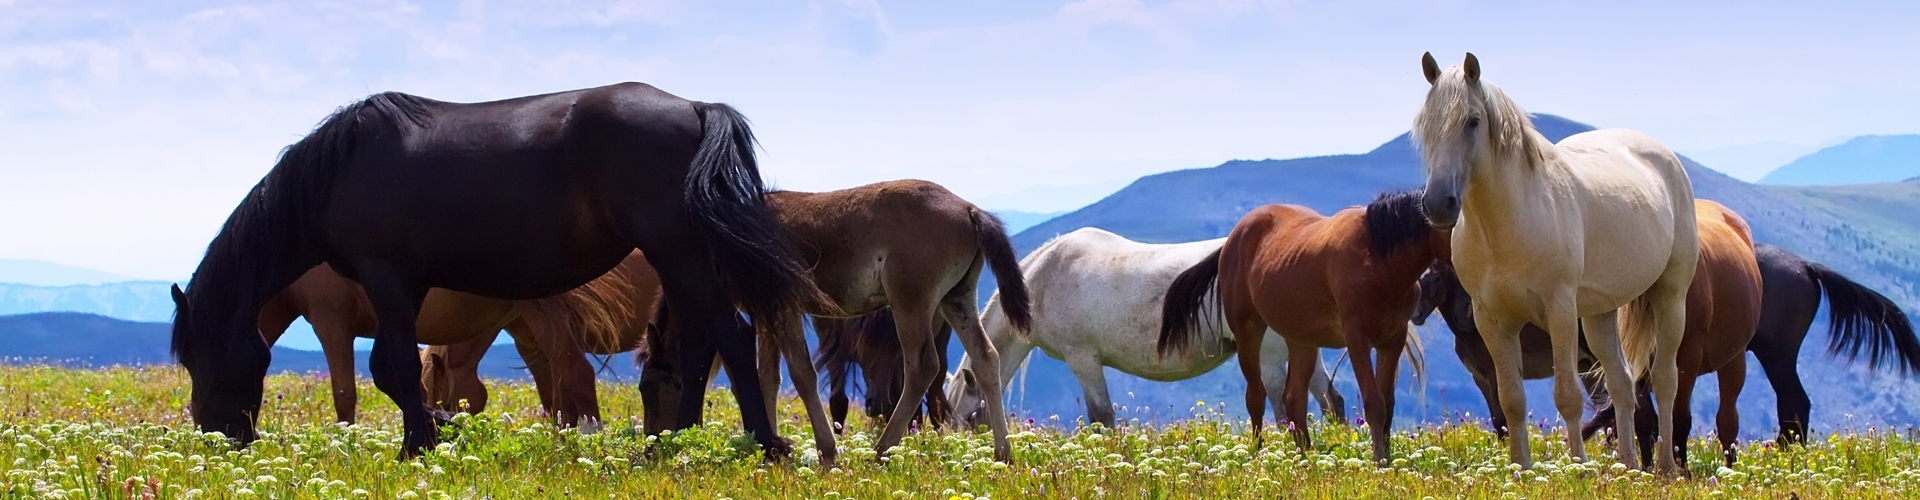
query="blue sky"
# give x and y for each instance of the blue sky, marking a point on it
(128, 130)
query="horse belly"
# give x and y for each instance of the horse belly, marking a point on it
(448, 317)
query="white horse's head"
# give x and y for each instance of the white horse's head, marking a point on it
(963, 392)
(1465, 123)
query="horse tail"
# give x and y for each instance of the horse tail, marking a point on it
(597, 312)
(726, 201)
(1638, 335)
(1185, 302)
(1862, 319)
(991, 235)
(1416, 351)
(836, 355)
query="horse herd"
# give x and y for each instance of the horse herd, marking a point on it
(623, 218)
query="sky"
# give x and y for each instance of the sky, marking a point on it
(129, 130)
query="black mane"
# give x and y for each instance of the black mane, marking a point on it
(270, 229)
(1394, 221)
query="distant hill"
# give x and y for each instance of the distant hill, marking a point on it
(84, 340)
(1018, 221)
(131, 300)
(43, 273)
(1865, 232)
(1862, 160)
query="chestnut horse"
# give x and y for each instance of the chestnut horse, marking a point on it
(1723, 311)
(1561, 235)
(908, 244)
(1320, 282)
(870, 344)
(599, 317)
(516, 199)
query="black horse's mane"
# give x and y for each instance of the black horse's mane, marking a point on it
(271, 225)
(1393, 221)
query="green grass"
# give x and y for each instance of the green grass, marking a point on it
(122, 432)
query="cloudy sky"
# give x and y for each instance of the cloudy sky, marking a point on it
(129, 129)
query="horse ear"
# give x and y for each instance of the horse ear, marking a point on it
(1431, 68)
(1473, 68)
(179, 297)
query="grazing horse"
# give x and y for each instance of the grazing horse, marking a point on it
(1724, 305)
(607, 316)
(1096, 301)
(1861, 322)
(870, 343)
(1561, 235)
(580, 318)
(516, 199)
(1320, 282)
(908, 244)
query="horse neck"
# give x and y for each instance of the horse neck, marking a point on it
(1008, 343)
(1501, 189)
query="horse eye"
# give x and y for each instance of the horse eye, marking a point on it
(1473, 122)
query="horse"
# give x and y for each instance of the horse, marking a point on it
(1724, 305)
(908, 244)
(1561, 235)
(1096, 297)
(515, 199)
(1440, 291)
(608, 315)
(583, 317)
(870, 344)
(1346, 280)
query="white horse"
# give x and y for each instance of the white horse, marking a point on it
(1096, 302)
(1596, 230)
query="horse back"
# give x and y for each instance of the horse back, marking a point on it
(862, 242)
(1279, 262)
(1635, 205)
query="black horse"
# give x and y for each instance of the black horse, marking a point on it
(1862, 322)
(516, 199)
(870, 344)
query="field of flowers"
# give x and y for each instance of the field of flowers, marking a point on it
(122, 433)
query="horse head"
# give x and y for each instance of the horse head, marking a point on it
(1464, 124)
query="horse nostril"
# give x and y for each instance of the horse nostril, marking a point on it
(1453, 203)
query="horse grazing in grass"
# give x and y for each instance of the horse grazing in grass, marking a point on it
(870, 343)
(1561, 235)
(1096, 301)
(584, 317)
(1723, 310)
(1320, 282)
(517, 199)
(608, 315)
(908, 244)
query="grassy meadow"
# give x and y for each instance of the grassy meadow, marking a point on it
(123, 433)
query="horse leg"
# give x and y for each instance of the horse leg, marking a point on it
(1332, 406)
(1387, 374)
(1496, 417)
(1093, 385)
(911, 324)
(536, 361)
(959, 311)
(337, 344)
(1669, 307)
(462, 378)
(806, 381)
(938, 409)
(837, 404)
(1647, 422)
(1293, 397)
(1603, 335)
(1733, 378)
(1680, 417)
(1790, 396)
(769, 365)
(1563, 327)
(1502, 337)
(395, 361)
(577, 402)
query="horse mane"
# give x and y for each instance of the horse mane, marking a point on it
(597, 312)
(1393, 221)
(271, 227)
(1443, 115)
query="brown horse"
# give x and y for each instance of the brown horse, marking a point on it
(870, 344)
(519, 199)
(1320, 282)
(597, 317)
(908, 244)
(1723, 312)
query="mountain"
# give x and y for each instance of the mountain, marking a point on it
(130, 300)
(1861, 231)
(1750, 162)
(43, 273)
(1861, 160)
(1018, 221)
(89, 340)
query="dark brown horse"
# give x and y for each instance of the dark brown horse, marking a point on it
(1723, 311)
(870, 344)
(1320, 282)
(908, 244)
(516, 199)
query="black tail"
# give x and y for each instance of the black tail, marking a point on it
(991, 234)
(726, 200)
(1186, 301)
(1862, 319)
(838, 351)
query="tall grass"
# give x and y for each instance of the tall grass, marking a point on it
(123, 432)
